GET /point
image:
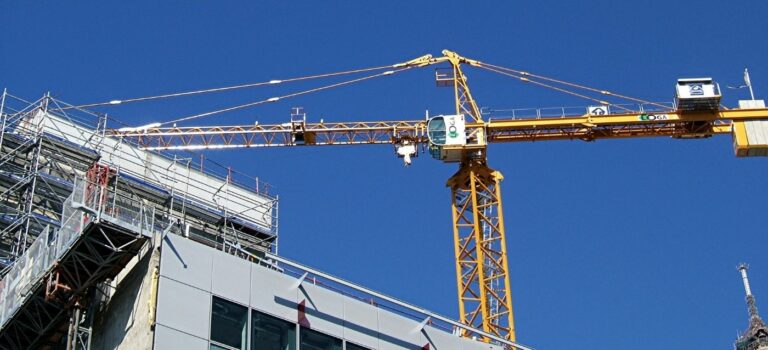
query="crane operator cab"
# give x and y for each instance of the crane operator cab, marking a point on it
(449, 140)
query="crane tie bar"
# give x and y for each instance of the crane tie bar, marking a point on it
(522, 74)
(528, 80)
(277, 98)
(226, 88)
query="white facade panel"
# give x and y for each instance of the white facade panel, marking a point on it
(184, 261)
(183, 308)
(469, 344)
(399, 333)
(274, 293)
(440, 340)
(324, 310)
(361, 323)
(167, 338)
(231, 277)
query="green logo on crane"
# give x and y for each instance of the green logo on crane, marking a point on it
(452, 131)
(649, 117)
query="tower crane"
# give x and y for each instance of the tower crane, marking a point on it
(482, 274)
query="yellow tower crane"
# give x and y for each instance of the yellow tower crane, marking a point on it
(482, 273)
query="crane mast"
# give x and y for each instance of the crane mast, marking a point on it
(482, 271)
(481, 257)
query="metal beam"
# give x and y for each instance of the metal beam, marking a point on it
(579, 127)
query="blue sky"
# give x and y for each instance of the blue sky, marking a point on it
(619, 243)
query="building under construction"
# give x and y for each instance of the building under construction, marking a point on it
(104, 245)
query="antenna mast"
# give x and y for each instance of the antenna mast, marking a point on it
(756, 336)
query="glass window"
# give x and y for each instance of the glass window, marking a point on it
(351, 346)
(271, 333)
(312, 340)
(436, 130)
(216, 347)
(229, 324)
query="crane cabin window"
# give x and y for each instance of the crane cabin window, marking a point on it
(436, 131)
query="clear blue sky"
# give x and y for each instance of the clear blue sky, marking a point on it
(613, 244)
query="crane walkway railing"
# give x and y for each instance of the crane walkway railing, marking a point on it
(564, 112)
(86, 204)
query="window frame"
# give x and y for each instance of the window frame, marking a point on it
(296, 326)
(302, 328)
(247, 325)
(298, 329)
(347, 343)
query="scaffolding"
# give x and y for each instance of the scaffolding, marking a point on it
(77, 204)
(45, 144)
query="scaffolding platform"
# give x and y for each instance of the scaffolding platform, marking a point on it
(77, 204)
(45, 143)
(95, 242)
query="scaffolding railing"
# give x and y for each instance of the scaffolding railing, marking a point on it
(88, 203)
(70, 139)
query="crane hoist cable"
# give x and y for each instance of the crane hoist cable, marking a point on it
(226, 88)
(277, 98)
(528, 80)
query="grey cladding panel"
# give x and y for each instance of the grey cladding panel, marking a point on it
(274, 293)
(468, 344)
(398, 333)
(440, 340)
(361, 323)
(324, 310)
(231, 277)
(185, 305)
(183, 308)
(187, 262)
(167, 338)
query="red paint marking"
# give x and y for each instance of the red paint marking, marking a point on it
(302, 307)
